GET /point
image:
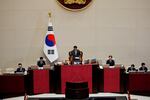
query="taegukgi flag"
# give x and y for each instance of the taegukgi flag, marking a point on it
(50, 49)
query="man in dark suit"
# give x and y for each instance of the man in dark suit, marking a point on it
(41, 62)
(75, 56)
(132, 68)
(143, 67)
(20, 68)
(110, 61)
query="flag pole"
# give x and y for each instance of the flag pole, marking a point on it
(49, 14)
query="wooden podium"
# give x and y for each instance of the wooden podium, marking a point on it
(112, 79)
(76, 73)
(39, 81)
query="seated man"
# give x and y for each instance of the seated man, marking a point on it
(75, 56)
(41, 62)
(132, 68)
(110, 61)
(143, 67)
(20, 69)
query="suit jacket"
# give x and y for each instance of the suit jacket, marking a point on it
(110, 62)
(41, 64)
(131, 69)
(75, 56)
(76, 53)
(143, 69)
(20, 70)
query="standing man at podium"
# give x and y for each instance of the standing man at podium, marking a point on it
(75, 56)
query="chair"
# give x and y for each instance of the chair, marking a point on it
(78, 90)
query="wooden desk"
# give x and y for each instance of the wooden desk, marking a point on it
(12, 85)
(139, 83)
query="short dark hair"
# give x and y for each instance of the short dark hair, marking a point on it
(142, 63)
(19, 63)
(110, 56)
(75, 46)
(41, 57)
(132, 65)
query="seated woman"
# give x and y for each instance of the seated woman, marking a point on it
(110, 61)
(75, 56)
(132, 68)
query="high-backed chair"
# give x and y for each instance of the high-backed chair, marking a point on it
(78, 90)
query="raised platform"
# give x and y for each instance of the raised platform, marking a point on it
(91, 98)
(102, 96)
(96, 96)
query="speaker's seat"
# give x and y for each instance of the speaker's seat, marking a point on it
(78, 90)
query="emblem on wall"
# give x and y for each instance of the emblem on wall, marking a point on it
(74, 5)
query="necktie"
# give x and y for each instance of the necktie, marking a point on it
(75, 52)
